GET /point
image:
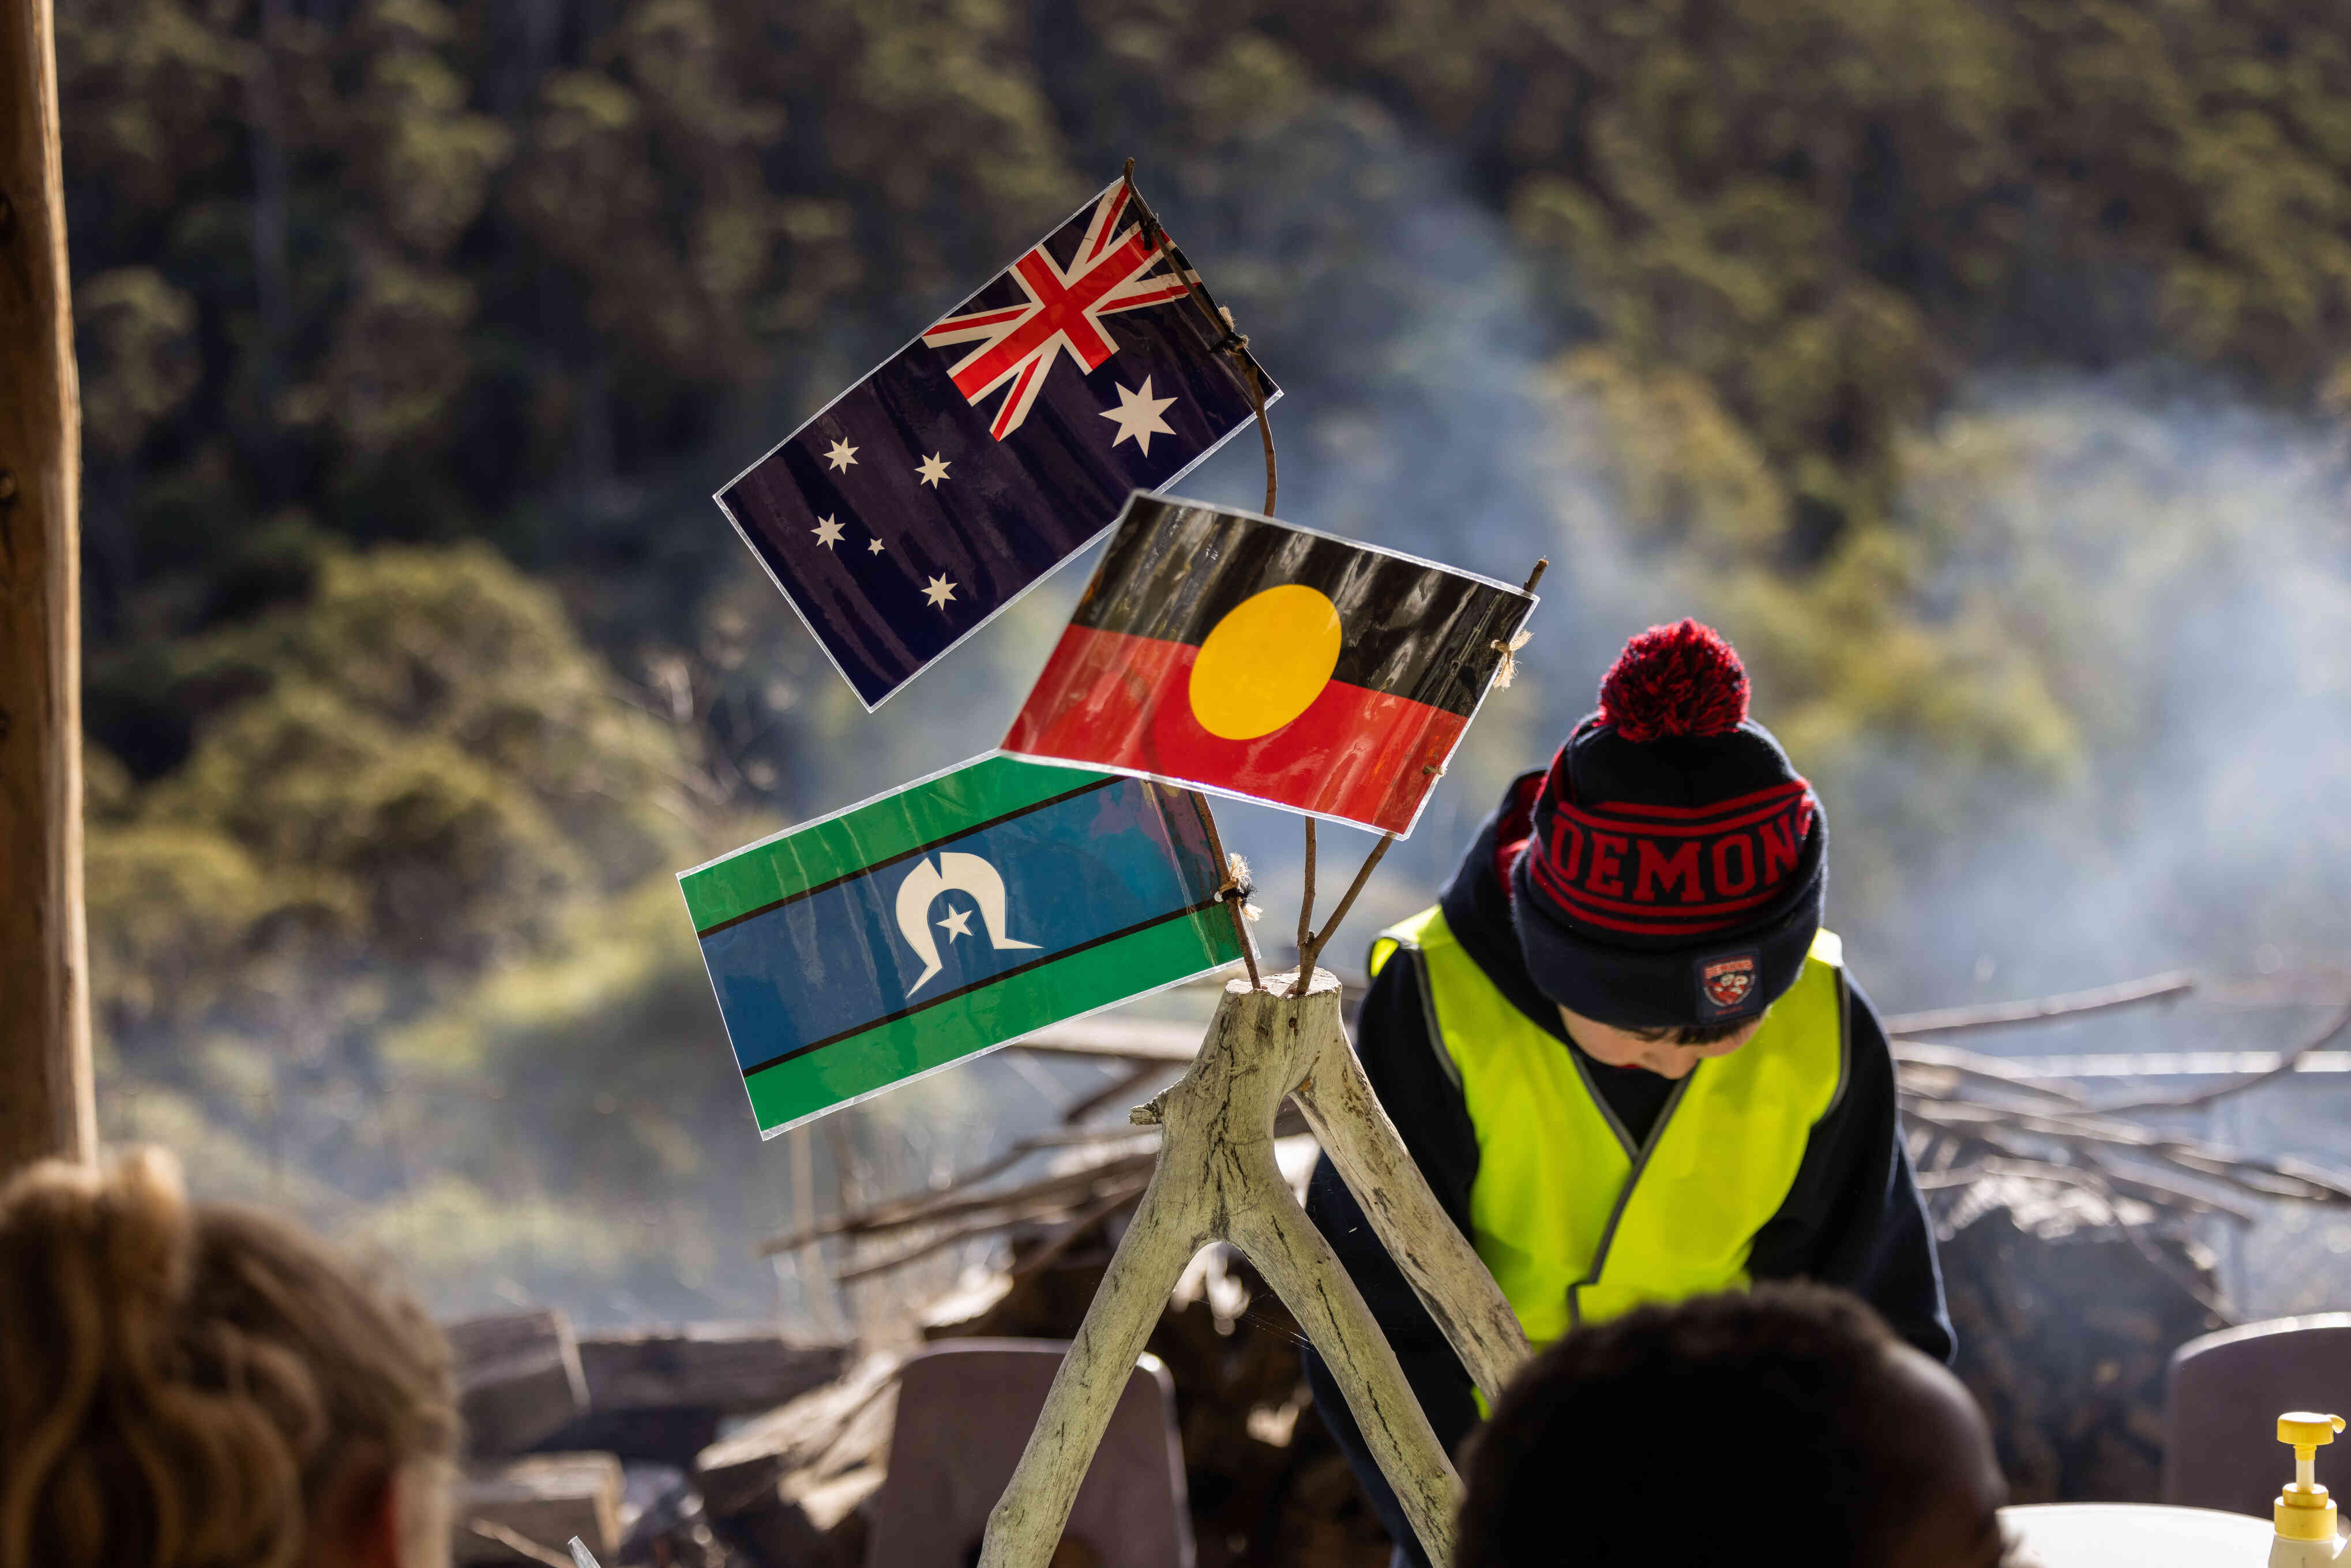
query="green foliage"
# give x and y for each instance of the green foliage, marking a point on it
(420, 849)
(138, 360)
(463, 268)
(424, 259)
(1697, 506)
(380, 840)
(1827, 206)
(420, 760)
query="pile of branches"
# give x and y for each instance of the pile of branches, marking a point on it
(1984, 1135)
(2071, 1238)
(2069, 1233)
(1981, 1127)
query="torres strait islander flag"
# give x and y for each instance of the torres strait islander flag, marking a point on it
(903, 935)
(997, 444)
(1225, 650)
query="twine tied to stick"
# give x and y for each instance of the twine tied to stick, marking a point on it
(1237, 886)
(1233, 342)
(1509, 671)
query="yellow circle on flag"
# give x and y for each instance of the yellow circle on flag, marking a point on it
(1265, 662)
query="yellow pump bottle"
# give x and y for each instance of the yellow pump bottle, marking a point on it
(2305, 1515)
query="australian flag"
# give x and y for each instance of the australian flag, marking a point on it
(993, 447)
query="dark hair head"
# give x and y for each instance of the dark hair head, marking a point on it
(182, 1384)
(1719, 1423)
(1698, 1033)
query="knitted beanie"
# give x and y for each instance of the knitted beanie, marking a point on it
(1674, 871)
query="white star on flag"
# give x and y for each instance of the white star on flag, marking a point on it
(933, 469)
(1137, 414)
(873, 547)
(940, 590)
(826, 531)
(956, 924)
(841, 457)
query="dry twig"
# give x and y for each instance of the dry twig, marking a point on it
(1997, 1015)
(2286, 1063)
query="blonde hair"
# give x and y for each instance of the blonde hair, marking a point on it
(179, 1384)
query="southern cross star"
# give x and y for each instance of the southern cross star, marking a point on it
(956, 924)
(934, 469)
(826, 531)
(1137, 414)
(841, 457)
(873, 547)
(940, 590)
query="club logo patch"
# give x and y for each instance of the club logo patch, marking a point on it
(1725, 985)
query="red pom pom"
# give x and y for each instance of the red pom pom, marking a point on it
(1682, 679)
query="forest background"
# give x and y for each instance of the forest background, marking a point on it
(1982, 370)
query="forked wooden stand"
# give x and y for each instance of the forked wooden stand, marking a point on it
(1216, 1180)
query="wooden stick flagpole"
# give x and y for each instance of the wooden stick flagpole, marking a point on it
(1235, 892)
(1306, 906)
(1311, 943)
(1215, 1179)
(1231, 342)
(46, 1103)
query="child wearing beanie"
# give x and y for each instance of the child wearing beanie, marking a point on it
(1623, 1052)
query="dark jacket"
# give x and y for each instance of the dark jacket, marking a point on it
(1852, 1219)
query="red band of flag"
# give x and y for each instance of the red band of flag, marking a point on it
(1233, 652)
(1119, 701)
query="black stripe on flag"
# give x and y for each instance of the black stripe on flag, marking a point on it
(1173, 570)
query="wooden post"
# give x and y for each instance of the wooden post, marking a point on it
(1216, 1180)
(1445, 1271)
(46, 1103)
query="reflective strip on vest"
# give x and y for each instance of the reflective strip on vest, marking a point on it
(1575, 1221)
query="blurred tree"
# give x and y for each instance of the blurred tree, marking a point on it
(417, 762)
(511, 285)
(470, 270)
(460, 270)
(408, 783)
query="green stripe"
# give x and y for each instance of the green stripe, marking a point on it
(799, 858)
(892, 1052)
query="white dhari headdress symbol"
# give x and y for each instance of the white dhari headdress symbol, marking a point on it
(958, 873)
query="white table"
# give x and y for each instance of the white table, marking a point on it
(2138, 1535)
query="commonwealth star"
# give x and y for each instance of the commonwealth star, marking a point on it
(933, 469)
(1137, 414)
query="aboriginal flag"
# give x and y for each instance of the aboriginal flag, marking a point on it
(1227, 651)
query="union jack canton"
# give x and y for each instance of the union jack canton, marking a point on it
(905, 515)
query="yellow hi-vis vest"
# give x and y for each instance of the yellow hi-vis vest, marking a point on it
(1575, 1221)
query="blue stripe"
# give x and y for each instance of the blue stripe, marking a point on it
(836, 962)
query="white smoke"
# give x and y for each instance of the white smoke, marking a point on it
(2175, 572)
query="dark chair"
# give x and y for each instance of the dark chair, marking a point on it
(965, 1410)
(2228, 1390)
